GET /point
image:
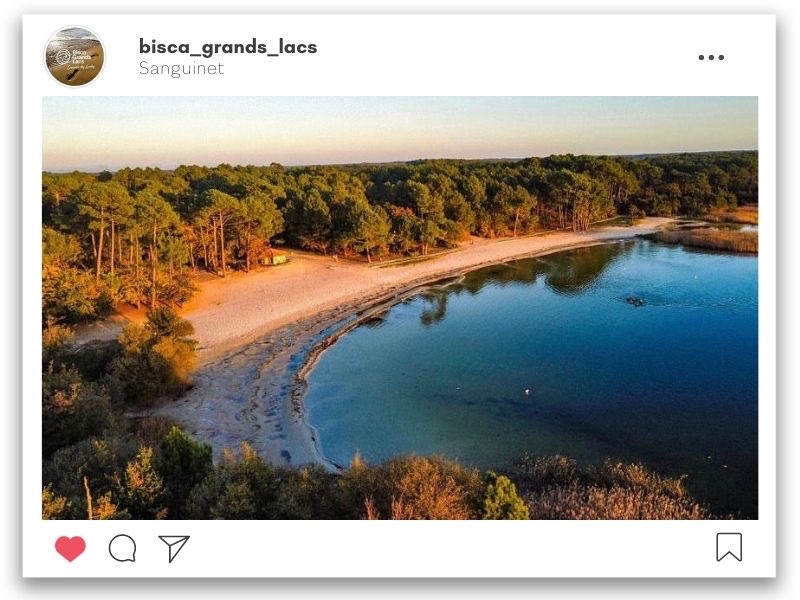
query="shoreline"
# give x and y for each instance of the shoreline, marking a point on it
(341, 328)
(250, 383)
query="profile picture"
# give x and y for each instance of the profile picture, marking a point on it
(74, 56)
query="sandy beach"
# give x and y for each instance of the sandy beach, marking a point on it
(258, 330)
(81, 71)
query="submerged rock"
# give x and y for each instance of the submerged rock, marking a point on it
(634, 301)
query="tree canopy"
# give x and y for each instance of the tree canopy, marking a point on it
(137, 234)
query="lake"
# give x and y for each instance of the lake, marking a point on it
(633, 351)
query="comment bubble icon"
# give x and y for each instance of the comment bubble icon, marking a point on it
(122, 548)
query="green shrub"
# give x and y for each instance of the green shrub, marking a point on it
(141, 489)
(55, 343)
(99, 460)
(53, 505)
(244, 487)
(165, 322)
(414, 487)
(178, 291)
(236, 502)
(72, 409)
(356, 484)
(501, 500)
(156, 359)
(308, 493)
(73, 296)
(93, 359)
(183, 463)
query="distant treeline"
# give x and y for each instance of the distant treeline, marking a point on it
(137, 234)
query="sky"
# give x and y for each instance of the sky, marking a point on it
(96, 132)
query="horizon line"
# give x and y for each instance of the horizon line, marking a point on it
(392, 162)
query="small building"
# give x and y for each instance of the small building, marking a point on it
(275, 257)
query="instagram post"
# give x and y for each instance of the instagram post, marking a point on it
(418, 285)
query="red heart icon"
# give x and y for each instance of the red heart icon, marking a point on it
(70, 548)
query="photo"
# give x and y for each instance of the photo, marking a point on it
(399, 307)
(74, 56)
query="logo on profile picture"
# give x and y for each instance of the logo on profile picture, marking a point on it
(74, 56)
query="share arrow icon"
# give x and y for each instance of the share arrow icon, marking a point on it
(175, 543)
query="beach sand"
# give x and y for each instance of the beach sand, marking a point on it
(80, 74)
(257, 330)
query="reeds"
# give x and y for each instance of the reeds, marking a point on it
(747, 215)
(714, 239)
(582, 502)
(555, 487)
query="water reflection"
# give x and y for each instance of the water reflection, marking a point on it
(673, 384)
(566, 273)
(573, 273)
(437, 306)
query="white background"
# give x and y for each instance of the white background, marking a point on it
(788, 412)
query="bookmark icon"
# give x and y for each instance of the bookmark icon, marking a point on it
(175, 543)
(729, 544)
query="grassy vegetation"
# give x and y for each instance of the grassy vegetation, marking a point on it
(556, 488)
(715, 239)
(746, 215)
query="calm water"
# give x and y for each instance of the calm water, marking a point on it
(672, 383)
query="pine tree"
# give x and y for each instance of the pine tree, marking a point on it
(501, 500)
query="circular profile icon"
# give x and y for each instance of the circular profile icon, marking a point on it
(74, 56)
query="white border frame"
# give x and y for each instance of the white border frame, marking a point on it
(650, 46)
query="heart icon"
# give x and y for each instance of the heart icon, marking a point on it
(70, 548)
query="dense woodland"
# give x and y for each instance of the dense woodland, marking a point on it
(138, 235)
